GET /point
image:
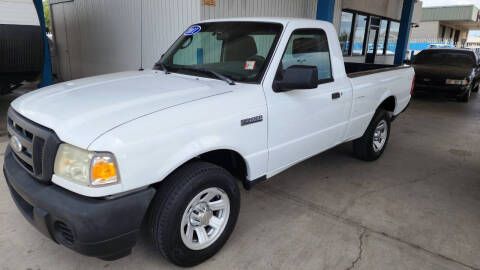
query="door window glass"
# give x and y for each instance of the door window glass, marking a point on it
(309, 48)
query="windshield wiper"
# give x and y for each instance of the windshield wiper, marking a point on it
(214, 73)
(163, 66)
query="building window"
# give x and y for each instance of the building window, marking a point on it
(359, 35)
(345, 31)
(354, 29)
(448, 31)
(392, 37)
(381, 37)
(442, 29)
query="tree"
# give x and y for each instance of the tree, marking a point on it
(46, 14)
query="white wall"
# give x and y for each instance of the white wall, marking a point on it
(20, 12)
(337, 14)
(387, 8)
(426, 30)
(162, 23)
(256, 8)
(105, 36)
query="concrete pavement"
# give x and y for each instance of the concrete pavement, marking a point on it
(418, 207)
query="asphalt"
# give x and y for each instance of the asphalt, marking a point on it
(418, 207)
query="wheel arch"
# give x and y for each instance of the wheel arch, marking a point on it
(229, 159)
(389, 104)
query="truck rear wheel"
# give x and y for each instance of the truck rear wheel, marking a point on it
(194, 212)
(374, 141)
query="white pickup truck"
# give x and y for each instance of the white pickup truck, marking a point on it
(89, 160)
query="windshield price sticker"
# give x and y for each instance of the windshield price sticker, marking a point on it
(249, 65)
(192, 30)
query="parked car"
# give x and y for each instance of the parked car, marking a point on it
(90, 159)
(440, 46)
(454, 72)
(21, 43)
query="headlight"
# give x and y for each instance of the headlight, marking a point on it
(456, 82)
(85, 167)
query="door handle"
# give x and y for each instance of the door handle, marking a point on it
(336, 95)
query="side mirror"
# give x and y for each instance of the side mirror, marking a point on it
(296, 77)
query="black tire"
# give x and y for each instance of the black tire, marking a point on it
(363, 146)
(171, 201)
(465, 97)
(475, 90)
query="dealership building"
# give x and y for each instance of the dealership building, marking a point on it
(101, 36)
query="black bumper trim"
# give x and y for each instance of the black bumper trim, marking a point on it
(106, 229)
(441, 89)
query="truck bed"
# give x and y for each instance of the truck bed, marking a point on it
(361, 69)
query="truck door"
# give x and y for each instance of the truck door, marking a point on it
(302, 123)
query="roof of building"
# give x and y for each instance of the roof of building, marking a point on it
(459, 17)
(450, 13)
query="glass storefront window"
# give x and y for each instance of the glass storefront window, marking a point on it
(353, 31)
(392, 38)
(381, 37)
(345, 29)
(359, 35)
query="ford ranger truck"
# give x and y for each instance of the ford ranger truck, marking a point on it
(91, 160)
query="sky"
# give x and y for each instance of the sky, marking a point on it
(432, 3)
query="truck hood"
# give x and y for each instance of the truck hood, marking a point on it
(80, 111)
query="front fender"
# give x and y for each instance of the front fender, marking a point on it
(151, 147)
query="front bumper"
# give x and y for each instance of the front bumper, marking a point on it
(103, 228)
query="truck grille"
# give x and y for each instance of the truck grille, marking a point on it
(38, 145)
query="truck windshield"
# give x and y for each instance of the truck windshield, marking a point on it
(445, 58)
(239, 51)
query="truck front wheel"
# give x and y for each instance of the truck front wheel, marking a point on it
(194, 213)
(374, 141)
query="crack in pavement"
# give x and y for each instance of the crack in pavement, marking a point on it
(279, 193)
(360, 250)
(352, 202)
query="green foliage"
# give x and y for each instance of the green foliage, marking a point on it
(46, 13)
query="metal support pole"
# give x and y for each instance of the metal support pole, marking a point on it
(404, 32)
(325, 10)
(47, 78)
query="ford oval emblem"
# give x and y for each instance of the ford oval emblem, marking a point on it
(16, 144)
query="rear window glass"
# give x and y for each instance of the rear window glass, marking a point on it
(445, 58)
